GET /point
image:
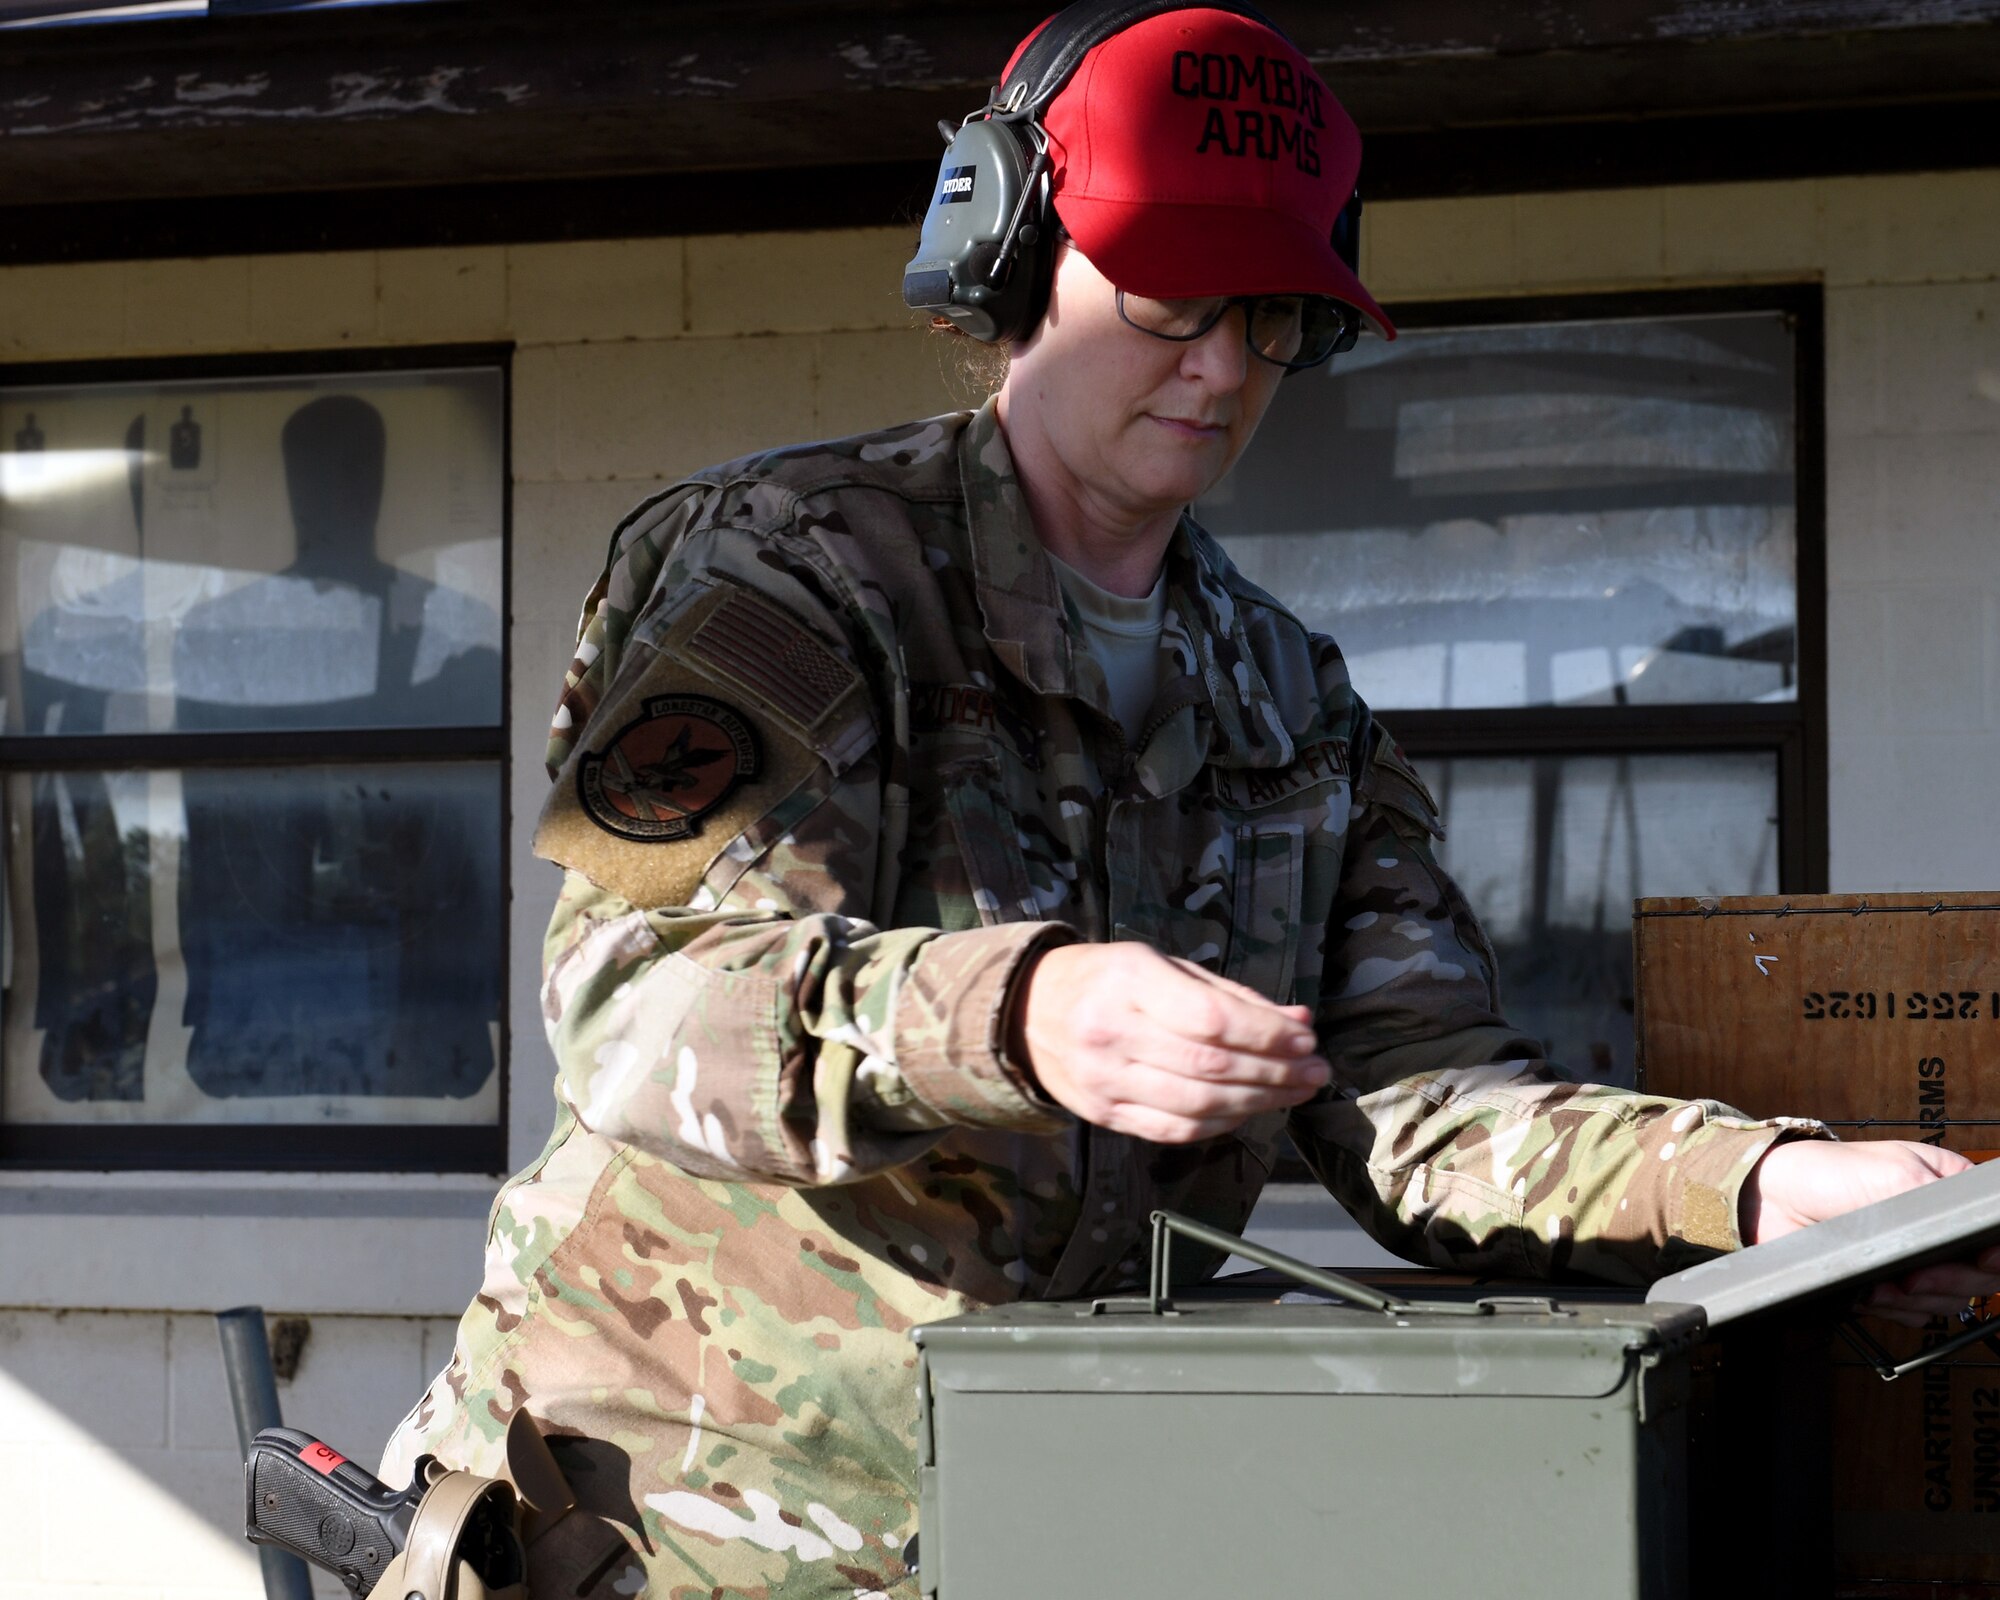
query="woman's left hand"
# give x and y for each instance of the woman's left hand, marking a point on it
(1808, 1180)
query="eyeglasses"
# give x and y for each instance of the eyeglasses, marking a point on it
(1293, 331)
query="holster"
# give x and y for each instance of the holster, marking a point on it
(432, 1565)
(528, 1499)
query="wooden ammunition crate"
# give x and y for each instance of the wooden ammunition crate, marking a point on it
(1879, 1014)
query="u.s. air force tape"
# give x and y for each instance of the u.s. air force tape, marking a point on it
(712, 724)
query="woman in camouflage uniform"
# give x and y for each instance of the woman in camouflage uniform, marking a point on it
(964, 859)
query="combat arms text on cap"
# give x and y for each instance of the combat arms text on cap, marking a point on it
(1198, 153)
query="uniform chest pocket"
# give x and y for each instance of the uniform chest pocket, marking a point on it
(1264, 927)
(989, 843)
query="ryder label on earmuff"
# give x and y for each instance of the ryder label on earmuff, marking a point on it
(955, 186)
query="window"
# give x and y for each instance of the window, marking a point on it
(251, 670)
(1571, 551)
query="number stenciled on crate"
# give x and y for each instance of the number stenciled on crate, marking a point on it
(1915, 1005)
(1986, 1450)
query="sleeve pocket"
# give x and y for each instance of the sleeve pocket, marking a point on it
(1468, 1222)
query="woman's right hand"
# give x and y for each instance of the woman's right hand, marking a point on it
(1157, 1048)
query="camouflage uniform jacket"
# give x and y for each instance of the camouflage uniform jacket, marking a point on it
(833, 765)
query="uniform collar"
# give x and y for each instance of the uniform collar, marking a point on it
(1247, 729)
(1019, 599)
(1028, 626)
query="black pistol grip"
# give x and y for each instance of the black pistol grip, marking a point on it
(312, 1501)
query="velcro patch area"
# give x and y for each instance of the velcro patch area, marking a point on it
(1390, 780)
(718, 733)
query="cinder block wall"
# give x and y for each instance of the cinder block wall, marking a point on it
(639, 360)
(119, 1475)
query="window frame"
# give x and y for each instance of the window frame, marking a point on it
(1795, 731)
(290, 1147)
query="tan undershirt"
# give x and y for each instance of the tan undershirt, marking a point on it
(1124, 635)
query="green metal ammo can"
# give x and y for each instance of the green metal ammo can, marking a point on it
(1307, 1434)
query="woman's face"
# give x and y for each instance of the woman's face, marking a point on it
(1144, 424)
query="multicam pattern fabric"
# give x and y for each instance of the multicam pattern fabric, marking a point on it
(788, 1130)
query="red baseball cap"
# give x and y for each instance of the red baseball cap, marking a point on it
(1199, 153)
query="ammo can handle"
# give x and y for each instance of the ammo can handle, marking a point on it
(1889, 1369)
(1168, 1223)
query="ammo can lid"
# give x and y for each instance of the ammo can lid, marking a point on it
(1847, 1254)
(1572, 1346)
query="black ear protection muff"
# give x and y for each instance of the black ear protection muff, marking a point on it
(987, 251)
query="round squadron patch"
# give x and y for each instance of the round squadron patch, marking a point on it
(667, 769)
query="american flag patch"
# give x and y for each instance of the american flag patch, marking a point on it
(777, 659)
